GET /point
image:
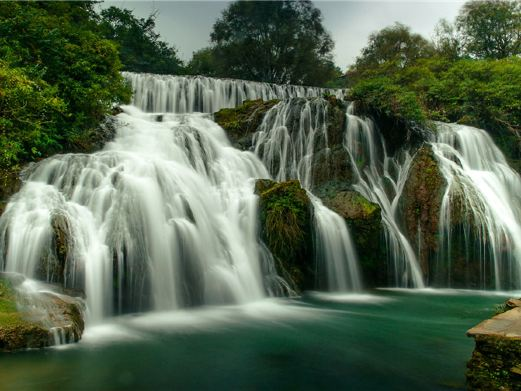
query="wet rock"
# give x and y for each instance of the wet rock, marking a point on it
(331, 168)
(241, 122)
(285, 222)
(35, 319)
(53, 264)
(365, 224)
(421, 202)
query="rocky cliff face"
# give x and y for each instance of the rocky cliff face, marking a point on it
(420, 203)
(331, 179)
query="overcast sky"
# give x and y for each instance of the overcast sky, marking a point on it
(187, 24)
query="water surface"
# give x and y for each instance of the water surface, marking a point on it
(385, 340)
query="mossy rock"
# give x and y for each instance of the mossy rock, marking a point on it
(22, 324)
(421, 202)
(495, 364)
(285, 218)
(364, 220)
(15, 331)
(241, 122)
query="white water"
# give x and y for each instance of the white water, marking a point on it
(187, 94)
(166, 213)
(381, 179)
(488, 193)
(286, 141)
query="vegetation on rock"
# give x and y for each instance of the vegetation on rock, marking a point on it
(241, 122)
(365, 224)
(285, 221)
(22, 327)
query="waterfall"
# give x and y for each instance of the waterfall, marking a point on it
(381, 179)
(486, 193)
(163, 217)
(187, 94)
(291, 132)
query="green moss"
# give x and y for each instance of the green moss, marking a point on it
(243, 120)
(285, 212)
(285, 216)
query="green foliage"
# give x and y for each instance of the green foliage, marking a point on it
(59, 77)
(491, 28)
(141, 50)
(393, 47)
(383, 95)
(285, 218)
(276, 41)
(30, 110)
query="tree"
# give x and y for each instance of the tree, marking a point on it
(491, 28)
(205, 62)
(447, 40)
(141, 49)
(59, 77)
(395, 45)
(279, 42)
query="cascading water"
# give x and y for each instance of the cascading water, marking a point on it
(381, 179)
(138, 213)
(163, 217)
(187, 94)
(286, 141)
(486, 193)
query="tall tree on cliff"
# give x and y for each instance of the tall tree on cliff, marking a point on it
(274, 41)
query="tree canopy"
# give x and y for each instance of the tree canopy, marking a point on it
(275, 41)
(58, 77)
(394, 46)
(491, 28)
(140, 47)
